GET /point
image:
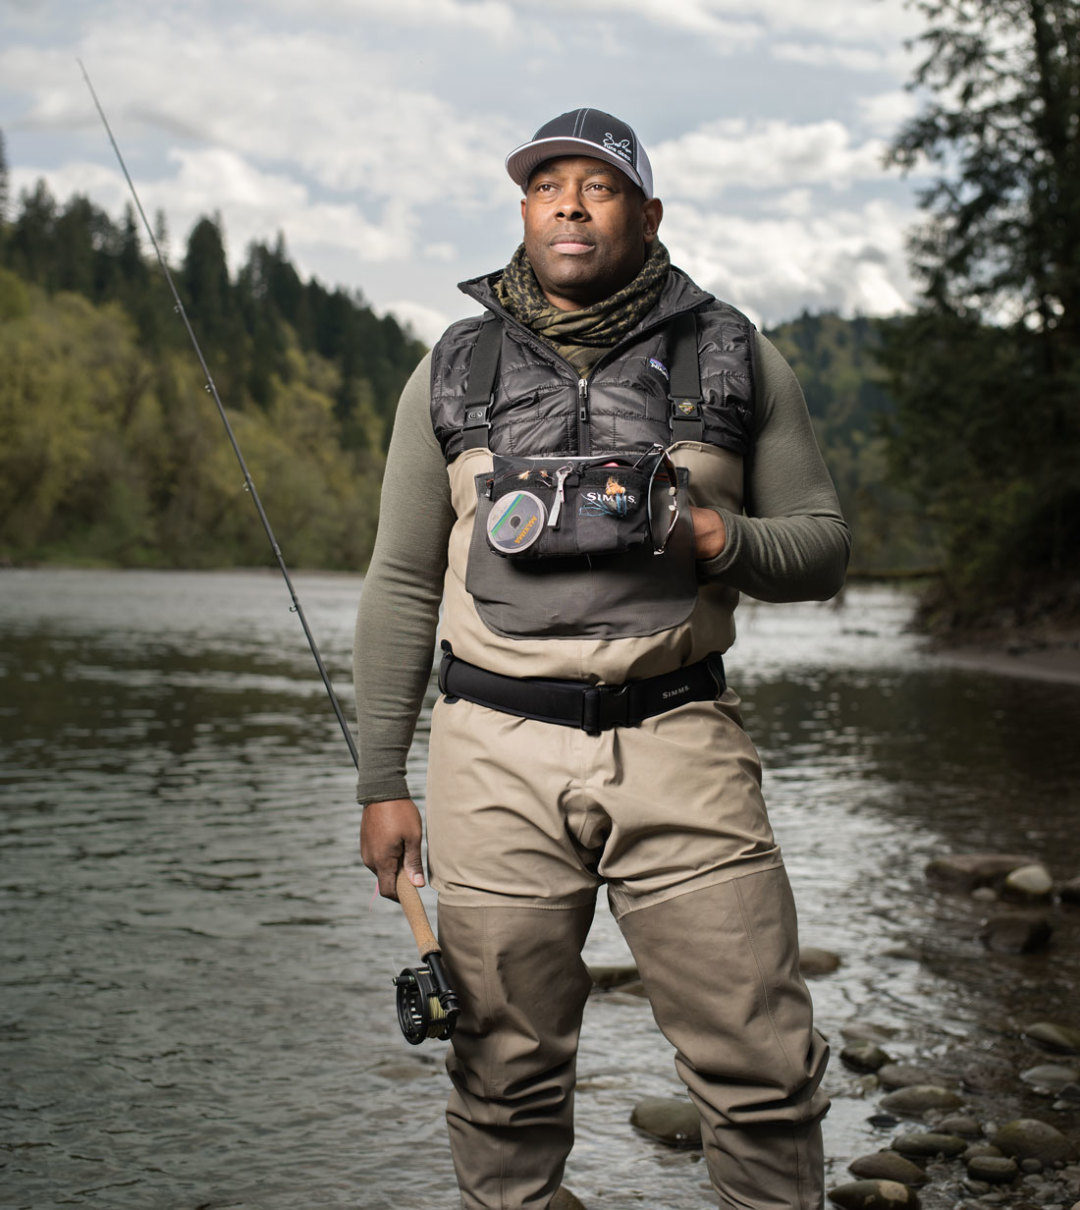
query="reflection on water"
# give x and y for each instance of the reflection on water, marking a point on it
(197, 1008)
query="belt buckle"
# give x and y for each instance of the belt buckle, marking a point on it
(613, 706)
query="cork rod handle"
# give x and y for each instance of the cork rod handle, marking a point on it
(413, 908)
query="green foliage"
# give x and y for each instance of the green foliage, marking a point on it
(987, 374)
(111, 449)
(836, 361)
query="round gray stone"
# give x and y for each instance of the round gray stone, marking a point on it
(669, 1120)
(916, 1099)
(874, 1195)
(565, 1200)
(994, 1169)
(901, 1075)
(965, 1127)
(1055, 1037)
(1050, 1077)
(814, 962)
(1028, 1138)
(1016, 934)
(863, 1056)
(1029, 882)
(888, 1166)
(927, 1144)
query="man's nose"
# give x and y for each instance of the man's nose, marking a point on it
(571, 206)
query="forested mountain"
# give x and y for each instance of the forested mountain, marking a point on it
(111, 449)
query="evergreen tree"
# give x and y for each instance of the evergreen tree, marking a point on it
(5, 184)
(987, 374)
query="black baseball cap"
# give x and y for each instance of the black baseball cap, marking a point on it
(588, 132)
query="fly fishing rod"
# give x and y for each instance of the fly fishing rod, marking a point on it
(427, 1006)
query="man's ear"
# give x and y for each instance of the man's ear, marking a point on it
(653, 211)
(522, 209)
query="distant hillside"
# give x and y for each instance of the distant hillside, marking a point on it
(836, 363)
(111, 450)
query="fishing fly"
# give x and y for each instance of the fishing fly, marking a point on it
(426, 1004)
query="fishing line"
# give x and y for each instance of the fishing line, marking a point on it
(427, 1006)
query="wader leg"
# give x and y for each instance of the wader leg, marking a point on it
(721, 968)
(522, 984)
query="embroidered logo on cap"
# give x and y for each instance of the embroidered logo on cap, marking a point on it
(620, 148)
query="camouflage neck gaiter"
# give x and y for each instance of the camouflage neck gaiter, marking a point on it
(582, 337)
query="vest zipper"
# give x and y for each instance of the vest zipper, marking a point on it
(584, 439)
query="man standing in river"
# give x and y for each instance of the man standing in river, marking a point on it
(587, 477)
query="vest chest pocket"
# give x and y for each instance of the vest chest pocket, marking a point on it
(560, 507)
(587, 547)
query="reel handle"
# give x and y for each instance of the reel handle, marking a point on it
(413, 907)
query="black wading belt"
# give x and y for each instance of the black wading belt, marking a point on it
(593, 708)
(684, 387)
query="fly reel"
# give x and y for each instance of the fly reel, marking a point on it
(426, 1006)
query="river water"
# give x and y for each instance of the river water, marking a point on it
(196, 1001)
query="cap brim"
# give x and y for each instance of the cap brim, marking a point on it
(521, 162)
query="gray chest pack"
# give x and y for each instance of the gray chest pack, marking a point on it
(582, 525)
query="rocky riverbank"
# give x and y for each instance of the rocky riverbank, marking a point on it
(967, 1127)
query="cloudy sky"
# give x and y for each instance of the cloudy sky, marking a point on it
(372, 133)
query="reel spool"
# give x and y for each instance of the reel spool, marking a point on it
(420, 1012)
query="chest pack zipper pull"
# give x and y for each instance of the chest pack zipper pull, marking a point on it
(583, 400)
(560, 493)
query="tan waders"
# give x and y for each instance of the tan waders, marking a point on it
(525, 821)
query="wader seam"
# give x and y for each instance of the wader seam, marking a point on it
(796, 1149)
(717, 877)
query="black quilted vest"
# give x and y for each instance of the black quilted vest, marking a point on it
(541, 406)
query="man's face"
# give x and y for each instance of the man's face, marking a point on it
(587, 230)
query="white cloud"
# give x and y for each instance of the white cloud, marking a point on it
(488, 17)
(426, 322)
(885, 112)
(852, 261)
(735, 153)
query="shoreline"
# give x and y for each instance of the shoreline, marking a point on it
(1045, 659)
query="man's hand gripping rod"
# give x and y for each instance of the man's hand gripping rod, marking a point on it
(427, 1008)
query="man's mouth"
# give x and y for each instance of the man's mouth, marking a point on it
(572, 245)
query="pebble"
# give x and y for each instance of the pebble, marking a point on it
(1029, 882)
(981, 1148)
(863, 1056)
(994, 1169)
(1028, 1138)
(1016, 934)
(916, 1099)
(669, 1120)
(888, 1166)
(966, 871)
(1054, 1037)
(874, 1195)
(814, 962)
(927, 1144)
(965, 1127)
(1050, 1077)
(902, 1075)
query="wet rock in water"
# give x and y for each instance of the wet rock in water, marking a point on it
(980, 1148)
(966, 871)
(1050, 1078)
(863, 1056)
(965, 1127)
(928, 1143)
(916, 1099)
(1015, 934)
(903, 1075)
(994, 1169)
(814, 962)
(888, 1166)
(1029, 882)
(565, 1200)
(1055, 1037)
(669, 1120)
(607, 977)
(1028, 1138)
(874, 1195)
